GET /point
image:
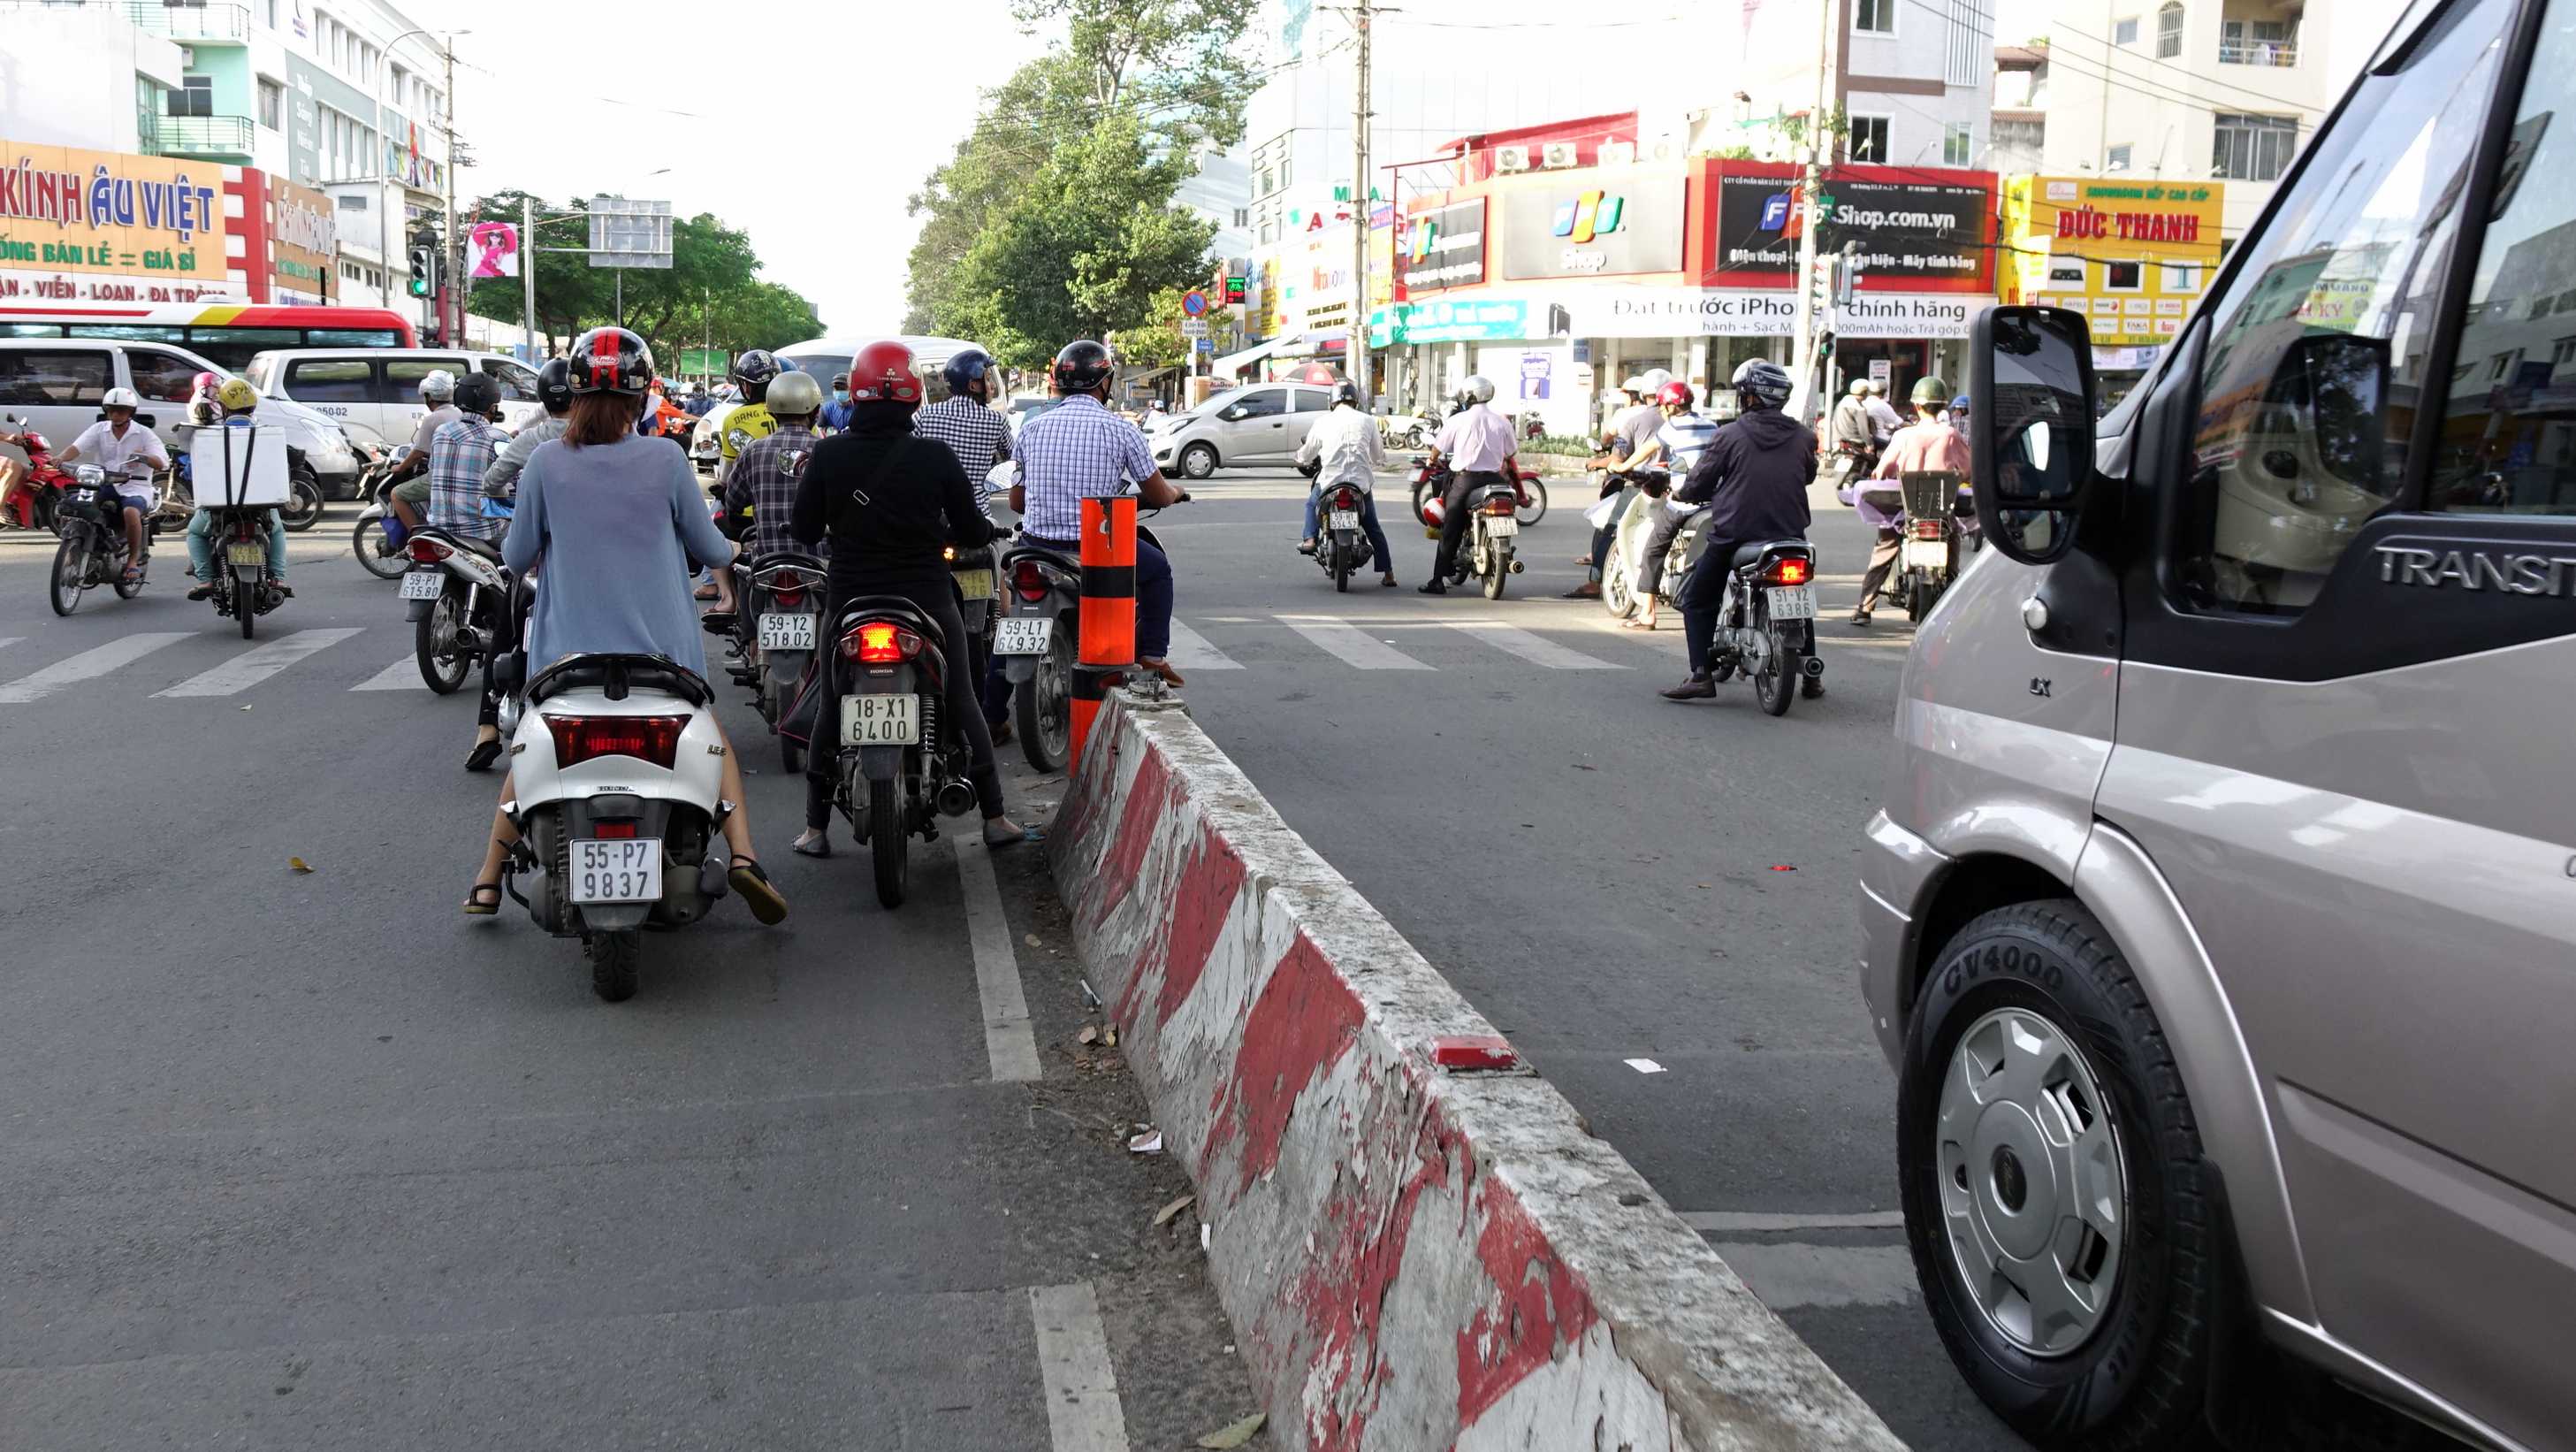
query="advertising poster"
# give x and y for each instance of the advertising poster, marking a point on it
(1599, 223)
(304, 238)
(1919, 230)
(1442, 248)
(98, 226)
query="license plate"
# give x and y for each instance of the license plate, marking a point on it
(424, 584)
(786, 632)
(1792, 602)
(625, 869)
(1927, 554)
(974, 584)
(247, 554)
(1028, 636)
(1501, 526)
(880, 720)
(1346, 519)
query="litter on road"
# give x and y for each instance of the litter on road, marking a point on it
(1645, 1066)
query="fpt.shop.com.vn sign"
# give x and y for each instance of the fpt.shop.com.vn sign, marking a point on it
(94, 225)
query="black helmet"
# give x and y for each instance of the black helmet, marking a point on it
(1083, 366)
(1347, 392)
(554, 385)
(1762, 383)
(611, 360)
(477, 396)
(964, 368)
(753, 370)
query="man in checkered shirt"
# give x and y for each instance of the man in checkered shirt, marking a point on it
(460, 454)
(766, 473)
(1079, 450)
(966, 423)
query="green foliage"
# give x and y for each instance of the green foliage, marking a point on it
(711, 293)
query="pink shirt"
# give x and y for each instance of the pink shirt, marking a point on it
(1922, 448)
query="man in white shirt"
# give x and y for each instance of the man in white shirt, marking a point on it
(1348, 442)
(1478, 444)
(1883, 418)
(123, 448)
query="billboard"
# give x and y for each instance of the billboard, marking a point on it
(629, 233)
(1442, 248)
(303, 242)
(1600, 222)
(1921, 229)
(2134, 256)
(104, 226)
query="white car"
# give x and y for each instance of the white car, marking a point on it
(706, 441)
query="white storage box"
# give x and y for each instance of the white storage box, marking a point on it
(252, 461)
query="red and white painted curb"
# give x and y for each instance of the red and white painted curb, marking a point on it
(1414, 1256)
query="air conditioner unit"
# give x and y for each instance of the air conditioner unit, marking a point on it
(187, 57)
(1560, 154)
(1616, 153)
(1511, 158)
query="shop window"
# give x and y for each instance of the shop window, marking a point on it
(1868, 138)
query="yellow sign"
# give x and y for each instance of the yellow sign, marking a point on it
(71, 220)
(2132, 255)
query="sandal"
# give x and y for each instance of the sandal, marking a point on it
(765, 902)
(483, 755)
(821, 846)
(1636, 625)
(1027, 835)
(476, 907)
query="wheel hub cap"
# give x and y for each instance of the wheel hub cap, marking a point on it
(2034, 1194)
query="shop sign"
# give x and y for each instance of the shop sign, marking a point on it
(1467, 320)
(2115, 219)
(1680, 312)
(1918, 231)
(1442, 248)
(1908, 315)
(304, 238)
(96, 225)
(1594, 224)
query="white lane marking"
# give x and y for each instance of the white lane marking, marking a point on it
(1008, 1042)
(89, 664)
(1191, 652)
(1352, 644)
(1788, 1275)
(1531, 648)
(1644, 1066)
(1083, 1414)
(259, 663)
(402, 675)
(1752, 1222)
(8, 640)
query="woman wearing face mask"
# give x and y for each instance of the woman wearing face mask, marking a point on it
(836, 414)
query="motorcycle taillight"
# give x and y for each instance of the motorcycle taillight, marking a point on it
(788, 597)
(429, 551)
(1030, 581)
(879, 642)
(1346, 500)
(647, 738)
(1788, 570)
(1927, 529)
(1498, 505)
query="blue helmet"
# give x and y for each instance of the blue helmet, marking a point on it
(964, 367)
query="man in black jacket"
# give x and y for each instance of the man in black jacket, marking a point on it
(1754, 477)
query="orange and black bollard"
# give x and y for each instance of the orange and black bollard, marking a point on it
(1108, 618)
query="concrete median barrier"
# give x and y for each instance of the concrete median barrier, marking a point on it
(1419, 1249)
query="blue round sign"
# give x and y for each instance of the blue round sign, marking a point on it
(1194, 303)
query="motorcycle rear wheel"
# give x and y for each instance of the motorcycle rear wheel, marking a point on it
(303, 508)
(1776, 684)
(889, 842)
(245, 600)
(1920, 597)
(612, 964)
(386, 564)
(1536, 510)
(1498, 558)
(71, 571)
(1045, 708)
(1341, 564)
(441, 673)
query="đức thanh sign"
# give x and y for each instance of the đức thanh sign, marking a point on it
(81, 226)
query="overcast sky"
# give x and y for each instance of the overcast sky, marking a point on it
(804, 124)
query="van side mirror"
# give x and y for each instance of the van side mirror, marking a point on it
(2335, 386)
(2030, 435)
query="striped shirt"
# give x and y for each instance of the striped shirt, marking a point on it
(979, 437)
(764, 481)
(1075, 451)
(460, 454)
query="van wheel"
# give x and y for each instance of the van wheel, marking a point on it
(2051, 1174)
(1198, 461)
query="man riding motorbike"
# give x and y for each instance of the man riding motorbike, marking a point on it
(1632, 434)
(1685, 435)
(1351, 449)
(760, 497)
(1926, 444)
(117, 444)
(836, 412)
(752, 372)
(554, 390)
(462, 455)
(236, 401)
(1754, 478)
(1481, 442)
(1853, 434)
(980, 438)
(409, 493)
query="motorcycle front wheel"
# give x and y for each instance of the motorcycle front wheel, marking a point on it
(441, 672)
(889, 842)
(71, 571)
(375, 551)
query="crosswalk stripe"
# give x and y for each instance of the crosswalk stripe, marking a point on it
(1532, 648)
(8, 640)
(88, 665)
(259, 663)
(1190, 652)
(1354, 645)
(402, 675)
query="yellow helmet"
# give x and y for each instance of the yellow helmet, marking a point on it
(236, 396)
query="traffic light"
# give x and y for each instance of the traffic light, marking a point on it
(424, 271)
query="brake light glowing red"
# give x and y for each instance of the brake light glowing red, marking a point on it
(1030, 581)
(1498, 505)
(655, 739)
(429, 551)
(879, 642)
(1927, 529)
(1346, 500)
(1789, 571)
(613, 831)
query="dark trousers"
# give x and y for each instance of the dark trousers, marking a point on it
(1882, 560)
(1703, 597)
(1153, 595)
(958, 702)
(1453, 522)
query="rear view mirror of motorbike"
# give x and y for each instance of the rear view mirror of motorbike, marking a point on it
(2031, 436)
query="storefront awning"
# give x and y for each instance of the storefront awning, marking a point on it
(1233, 362)
(1319, 340)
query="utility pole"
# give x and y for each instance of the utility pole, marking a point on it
(451, 323)
(1358, 351)
(1812, 204)
(528, 273)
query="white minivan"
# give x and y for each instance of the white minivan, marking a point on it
(57, 384)
(374, 393)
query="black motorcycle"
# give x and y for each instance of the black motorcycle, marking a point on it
(902, 763)
(1767, 626)
(90, 517)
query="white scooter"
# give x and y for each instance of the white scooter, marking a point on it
(1637, 516)
(618, 768)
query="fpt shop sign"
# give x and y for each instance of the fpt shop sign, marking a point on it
(1609, 225)
(1442, 248)
(1918, 231)
(102, 226)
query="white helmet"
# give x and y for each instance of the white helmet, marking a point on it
(1478, 387)
(439, 386)
(1635, 384)
(1655, 379)
(121, 398)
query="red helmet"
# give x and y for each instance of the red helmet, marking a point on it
(1675, 394)
(883, 373)
(203, 383)
(611, 360)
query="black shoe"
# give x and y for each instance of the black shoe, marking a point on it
(483, 755)
(1582, 592)
(202, 592)
(1692, 688)
(1811, 688)
(1861, 619)
(1434, 588)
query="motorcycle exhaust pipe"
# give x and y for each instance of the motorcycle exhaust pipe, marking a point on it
(1813, 668)
(1516, 566)
(955, 798)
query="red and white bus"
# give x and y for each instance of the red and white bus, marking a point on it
(226, 334)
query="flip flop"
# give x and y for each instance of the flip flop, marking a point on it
(483, 755)
(1636, 625)
(765, 903)
(476, 907)
(1027, 835)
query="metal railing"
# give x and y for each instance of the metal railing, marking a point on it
(2276, 53)
(208, 136)
(191, 22)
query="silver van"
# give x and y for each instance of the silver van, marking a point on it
(2221, 920)
(1260, 424)
(56, 384)
(374, 393)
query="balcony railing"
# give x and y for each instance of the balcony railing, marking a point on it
(2277, 53)
(199, 136)
(191, 22)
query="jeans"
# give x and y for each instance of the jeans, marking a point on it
(1368, 522)
(822, 760)
(1153, 594)
(1703, 596)
(201, 547)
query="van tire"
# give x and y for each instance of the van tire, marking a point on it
(2140, 1379)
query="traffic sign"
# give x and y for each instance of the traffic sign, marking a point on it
(1206, 344)
(1194, 327)
(1194, 303)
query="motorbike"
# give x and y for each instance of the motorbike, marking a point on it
(303, 507)
(618, 767)
(1406, 430)
(1341, 545)
(457, 595)
(1430, 483)
(781, 598)
(1641, 506)
(902, 763)
(46, 480)
(244, 591)
(1940, 514)
(1493, 527)
(1034, 638)
(378, 539)
(91, 520)
(1766, 627)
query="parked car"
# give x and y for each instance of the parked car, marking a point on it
(1260, 424)
(374, 393)
(1027, 406)
(55, 384)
